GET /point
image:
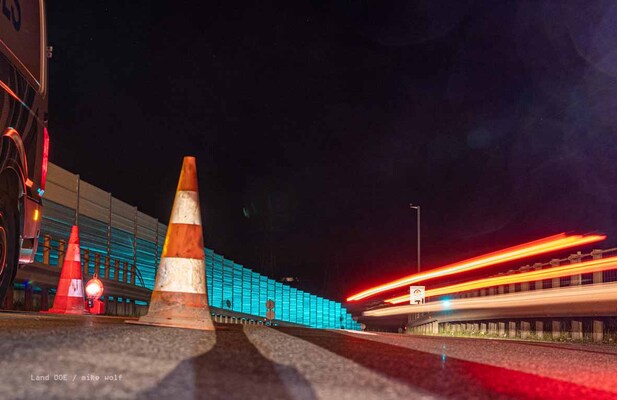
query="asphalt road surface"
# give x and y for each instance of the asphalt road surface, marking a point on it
(88, 357)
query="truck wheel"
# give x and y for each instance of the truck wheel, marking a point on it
(8, 243)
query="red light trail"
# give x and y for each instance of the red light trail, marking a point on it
(549, 273)
(537, 247)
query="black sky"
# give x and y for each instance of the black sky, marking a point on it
(321, 122)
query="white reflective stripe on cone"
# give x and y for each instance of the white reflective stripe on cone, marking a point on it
(186, 208)
(72, 250)
(76, 288)
(186, 275)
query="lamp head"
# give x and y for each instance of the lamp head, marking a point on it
(94, 288)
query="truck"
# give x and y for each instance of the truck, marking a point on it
(24, 140)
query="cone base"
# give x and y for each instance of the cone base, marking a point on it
(178, 310)
(72, 312)
(67, 305)
(173, 323)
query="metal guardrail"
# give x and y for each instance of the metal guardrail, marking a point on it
(103, 265)
(45, 277)
(118, 278)
(124, 286)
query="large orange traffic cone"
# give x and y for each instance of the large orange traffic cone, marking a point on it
(179, 298)
(70, 294)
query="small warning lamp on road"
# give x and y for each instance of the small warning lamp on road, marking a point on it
(94, 290)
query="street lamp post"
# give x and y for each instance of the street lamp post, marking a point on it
(418, 209)
(410, 317)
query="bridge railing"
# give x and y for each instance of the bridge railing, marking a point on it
(125, 293)
(93, 263)
(590, 323)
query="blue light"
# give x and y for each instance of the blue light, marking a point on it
(446, 304)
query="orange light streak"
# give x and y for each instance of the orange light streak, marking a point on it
(587, 267)
(541, 246)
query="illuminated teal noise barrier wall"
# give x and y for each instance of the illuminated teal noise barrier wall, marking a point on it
(139, 240)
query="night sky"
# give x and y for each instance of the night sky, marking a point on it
(315, 125)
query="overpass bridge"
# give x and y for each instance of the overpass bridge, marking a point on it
(123, 245)
(572, 298)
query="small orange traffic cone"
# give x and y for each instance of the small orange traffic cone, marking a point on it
(179, 298)
(70, 294)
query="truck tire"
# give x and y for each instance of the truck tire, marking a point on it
(9, 254)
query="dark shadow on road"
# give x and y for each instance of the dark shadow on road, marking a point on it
(442, 375)
(232, 369)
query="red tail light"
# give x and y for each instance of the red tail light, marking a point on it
(45, 160)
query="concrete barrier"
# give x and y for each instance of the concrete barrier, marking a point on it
(502, 329)
(525, 329)
(539, 329)
(598, 331)
(511, 329)
(577, 330)
(556, 329)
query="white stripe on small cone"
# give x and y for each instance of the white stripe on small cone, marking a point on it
(76, 288)
(186, 275)
(186, 208)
